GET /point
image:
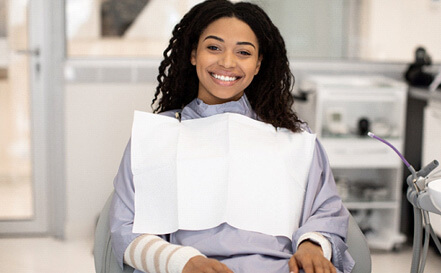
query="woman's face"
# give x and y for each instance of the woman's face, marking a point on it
(226, 59)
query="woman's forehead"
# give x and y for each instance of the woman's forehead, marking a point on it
(230, 29)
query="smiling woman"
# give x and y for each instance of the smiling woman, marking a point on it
(225, 177)
(226, 59)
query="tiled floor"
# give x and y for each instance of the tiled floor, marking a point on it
(47, 255)
(400, 261)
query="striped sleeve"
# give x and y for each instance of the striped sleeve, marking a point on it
(318, 238)
(150, 253)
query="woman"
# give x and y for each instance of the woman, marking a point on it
(230, 58)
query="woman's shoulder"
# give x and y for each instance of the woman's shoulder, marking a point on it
(304, 127)
(170, 113)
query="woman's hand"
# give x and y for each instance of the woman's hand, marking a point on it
(309, 256)
(200, 264)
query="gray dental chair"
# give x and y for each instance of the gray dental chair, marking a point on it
(105, 261)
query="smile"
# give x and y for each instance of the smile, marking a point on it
(223, 78)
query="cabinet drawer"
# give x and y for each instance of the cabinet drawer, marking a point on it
(356, 153)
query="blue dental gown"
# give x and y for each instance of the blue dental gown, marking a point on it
(243, 251)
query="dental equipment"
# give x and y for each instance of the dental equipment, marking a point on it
(422, 197)
(436, 82)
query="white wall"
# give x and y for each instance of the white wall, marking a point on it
(394, 28)
(310, 28)
(390, 30)
(98, 124)
(84, 19)
(4, 53)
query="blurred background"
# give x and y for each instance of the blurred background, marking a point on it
(72, 72)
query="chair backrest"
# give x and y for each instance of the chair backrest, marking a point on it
(358, 248)
(105, 261)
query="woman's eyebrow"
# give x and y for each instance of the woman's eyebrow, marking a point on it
(214, 37)
(222, 40)
(246, 43)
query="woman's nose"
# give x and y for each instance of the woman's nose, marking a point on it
(228, 60)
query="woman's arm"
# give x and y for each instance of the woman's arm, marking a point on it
(309, 256)
(145, 252)
(122, 208)
(323, 211)
(152, 254)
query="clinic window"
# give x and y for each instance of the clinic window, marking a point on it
(368, 30)
(114, 28)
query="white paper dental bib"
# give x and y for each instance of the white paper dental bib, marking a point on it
(199, 173)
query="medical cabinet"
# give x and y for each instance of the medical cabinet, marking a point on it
(341, 109)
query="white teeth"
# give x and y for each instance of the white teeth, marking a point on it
(224, 78)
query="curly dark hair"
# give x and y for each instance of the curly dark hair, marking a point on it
(270, 91)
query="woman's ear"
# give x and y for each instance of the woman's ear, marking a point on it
(259, 62)
(193, 57)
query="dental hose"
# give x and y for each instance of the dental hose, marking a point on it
(410, 167)
(417, 237)
(418, 260)
(427, 228)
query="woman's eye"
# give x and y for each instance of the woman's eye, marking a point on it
(213, 47)
(244, 53)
